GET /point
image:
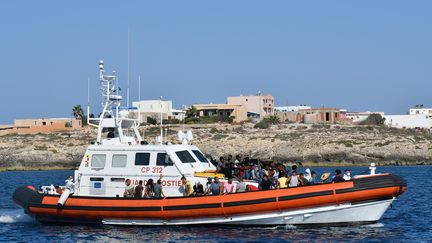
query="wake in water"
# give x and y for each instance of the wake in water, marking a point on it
(375, 225)
(10, 216)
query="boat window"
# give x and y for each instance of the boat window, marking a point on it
(163, 159)
(142, 159)
(98, 160)
(117, 179)
(119, 160)
(200, 156)
(96, 179)
(185, 157)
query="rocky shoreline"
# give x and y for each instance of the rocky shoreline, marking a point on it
(308, 145)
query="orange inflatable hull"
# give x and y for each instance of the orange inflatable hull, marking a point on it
(95, 209)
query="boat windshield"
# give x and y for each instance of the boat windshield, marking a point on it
(185, 157)
(200, 156)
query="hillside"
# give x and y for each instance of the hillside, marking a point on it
(312, 145)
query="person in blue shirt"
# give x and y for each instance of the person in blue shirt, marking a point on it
(314, 178)
(215, 187)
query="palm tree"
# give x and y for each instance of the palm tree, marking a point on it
(78, 112)
(192, 112)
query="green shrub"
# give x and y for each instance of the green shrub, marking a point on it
(41, 147)
(208, 120)
(382, 144)
(151, 120)
(264, 124)
(219, 136)
(213, 130)
(171, 121)
(373, 119)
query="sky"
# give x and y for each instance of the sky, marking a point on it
(357, 55)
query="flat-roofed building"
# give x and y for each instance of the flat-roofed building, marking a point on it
(238, 112)
(256, 105)
(41, 125)
(409, 121)
(420, 110)
(322, 115)
(179, 114)
(153, 108)
(291, 108)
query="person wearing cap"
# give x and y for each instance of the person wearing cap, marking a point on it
(338, 176)
(229, 187)
(324, 177)
(347, 175)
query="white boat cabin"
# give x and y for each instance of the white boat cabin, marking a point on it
(105, 168)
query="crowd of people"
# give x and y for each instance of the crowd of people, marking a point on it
(268, 175)
(149, 190)
(272, 175)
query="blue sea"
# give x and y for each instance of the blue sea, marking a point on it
(409, 220)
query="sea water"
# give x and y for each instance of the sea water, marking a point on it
(409, 219)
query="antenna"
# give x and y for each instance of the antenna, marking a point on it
(128, 77)
(139, 99)
(88, 100)
(161, 121)
(139, 87)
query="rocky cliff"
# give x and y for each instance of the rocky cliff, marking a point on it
(296, 143)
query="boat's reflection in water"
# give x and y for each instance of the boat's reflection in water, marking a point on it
(214, 233)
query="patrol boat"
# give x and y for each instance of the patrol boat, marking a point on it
(120, 153)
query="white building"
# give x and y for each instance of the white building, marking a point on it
(153, 108)
(356, 117)
(425, 111)
(179, 114)
(292, 108)
(409, 121)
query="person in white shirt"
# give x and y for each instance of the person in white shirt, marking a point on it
(347, 175)
(69, 189)
(307, 175)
